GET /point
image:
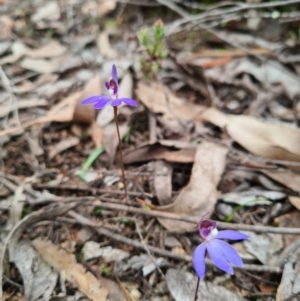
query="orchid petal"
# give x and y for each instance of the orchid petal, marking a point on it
(102, 103)
(218, 259)
(231, 235)
(116, 102)
(114, 73)
(199, 260)
(129, 101)
(92, 99)
(107, 85)
(229, 253)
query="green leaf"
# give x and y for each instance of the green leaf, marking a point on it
(98, 210)
(90, 160)
(127, 135)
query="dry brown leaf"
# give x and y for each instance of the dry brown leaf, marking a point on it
(104, 46)
(43, 79)
(62, 112)
(290, 220)
(295, 201)
(286, 178)
(266, 289)
(62, 146)
(49, 11)
(264, 139)
(18, 50)
(110, 140)
(38, 65)
(158, 151)
(210, 63)
(227, 52)
(200, 195)
(162, 181)
(106, 7)
(285, 289)
(97, 133)
(7, 107)
(66, 265)
(86, 114)
(156, 100)
(290, 180)
(51, 49)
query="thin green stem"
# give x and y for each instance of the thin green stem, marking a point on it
(196, 291)
(120, 152)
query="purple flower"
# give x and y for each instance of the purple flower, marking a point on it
(220, 252)
(112, 86)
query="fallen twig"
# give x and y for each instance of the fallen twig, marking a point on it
(161, 214)
(118, 237)
(220, 13)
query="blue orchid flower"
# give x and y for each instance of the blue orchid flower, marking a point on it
(112, 86)
(220, 252)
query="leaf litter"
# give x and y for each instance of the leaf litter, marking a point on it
(68, 268)
(215, 131)
(200, 195)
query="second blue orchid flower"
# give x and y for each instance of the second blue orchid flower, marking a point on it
(220, 252)
(112, 86)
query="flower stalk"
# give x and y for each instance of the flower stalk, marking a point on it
(102, 101)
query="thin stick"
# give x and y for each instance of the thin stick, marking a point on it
(167, 215)
(162, 252)
(196, 291)
(120, 153)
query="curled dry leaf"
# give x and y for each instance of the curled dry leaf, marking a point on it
(264, 139)
(51, 49)
(18, 50)
(104, 46)
(66, 265)
(7, 106)
(92, 250)
(46, 213)
(38, 65)
(182, 286)
(106, 7)
(49, 11)
(172, 107)
(285, 289)
(110, 138)
(97, 134)
(200, 195)
(264, 247)
(86, 114)
(159, 152)
(162, 181)
(62, 112)
(290, 180)
(38, 277)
